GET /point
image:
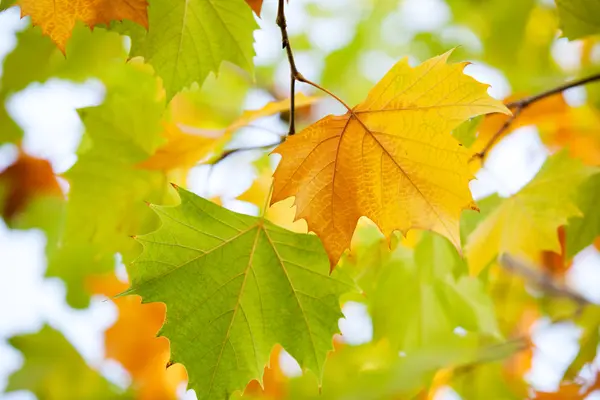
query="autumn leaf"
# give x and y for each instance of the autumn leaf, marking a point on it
(571, 391)
(526, 223)
(234, 286)
(560, 126)
(57, 18)
(132, 341)
(391, 158)
(187, 145)
(274, 380)
(547, 114)
(255, 5)
(28, 177)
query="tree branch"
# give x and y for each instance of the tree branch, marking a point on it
(218, 158)
(541, 279)
(295, 75)
(520, 105)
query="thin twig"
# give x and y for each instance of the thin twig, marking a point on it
(295, 75)
(523, 103)
(520, 105)
(540, 279)
(227, 153)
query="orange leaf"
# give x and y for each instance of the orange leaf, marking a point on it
(391, 158)
(183, 149)
(570, 391)
(187, 145)
(556, 263)
(25, 179)
(560, 126)
(255, 5)
(545, 113)
(132, 341)
(57, 18)
(273, 380)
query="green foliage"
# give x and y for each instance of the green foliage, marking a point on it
(190, 39)
(579, 18)
(54, 370)
(582, 230)
(235, 286)
(120, 133)
(36, 59)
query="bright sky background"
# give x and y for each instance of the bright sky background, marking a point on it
(53, 129)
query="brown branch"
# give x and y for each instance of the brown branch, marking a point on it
(520, 105)
(540, 279)
(295, 75)
(217, 159)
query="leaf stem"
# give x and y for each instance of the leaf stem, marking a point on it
(227, 153)
(295, 75)
(520, 105)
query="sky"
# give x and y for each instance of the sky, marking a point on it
(53, 129)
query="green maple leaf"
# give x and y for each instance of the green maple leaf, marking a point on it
(4, 4)
(581, 231)
(122, 132)
(579, 18)
(439, 298)
(54, 370)
(188, 39)
(235, 286)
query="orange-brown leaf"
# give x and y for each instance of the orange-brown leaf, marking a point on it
(546, 114)
(255, 5)
(25, 179)
(132, 341)
(391, 158)
(57, 18)
(187, 145)
(273, 380)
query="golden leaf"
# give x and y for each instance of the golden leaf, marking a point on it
(186, 145)
(391, 158)
(57, 18)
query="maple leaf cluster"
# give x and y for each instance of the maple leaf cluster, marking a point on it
(373, 206)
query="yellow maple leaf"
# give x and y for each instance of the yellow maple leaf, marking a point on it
(527, 223)
(132, 341)
(57, 18)
(391, 158)
(187, 145)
